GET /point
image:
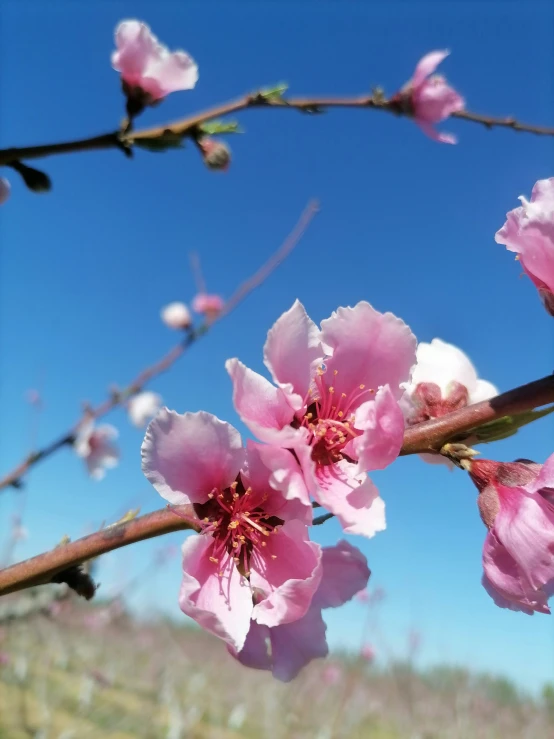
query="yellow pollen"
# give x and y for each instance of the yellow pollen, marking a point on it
(331, 389)
(233, 525)
(242, 538)
(210, 495)
(214, 560)
(340, 414)
(309, 416)
(235, 544)
(233, 485)
(347, 424)
(264, 543)
(362, 387)
(206, 520)
(235, 496)
(273, 556)
(335, 372)
(220, 574)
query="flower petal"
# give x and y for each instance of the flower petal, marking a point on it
(427, 66)
(443, 138)
(215, 595)
(382, 423)
(288, 574)
(296, 644)
(255, 652)
(292, 351)
(261, 406)
(368, 348)
(345, 573)
(186, 456)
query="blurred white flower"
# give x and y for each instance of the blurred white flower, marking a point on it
(96, 447)
(176, 315)
(142, 407)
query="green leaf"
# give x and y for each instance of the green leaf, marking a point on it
(507, 426)
(274, 93)
(168, 140)
(214, 127)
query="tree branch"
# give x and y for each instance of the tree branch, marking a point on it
(186, 126)
(116, 399)
(424, 437)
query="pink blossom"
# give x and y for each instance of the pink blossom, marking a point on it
(5, 190)
(529, 231)
(142, 407)
(429, 98)
(95, 445)
(516, 502)
(286, 649)
(443, 380)
(176, 315)
(149, 71)
(252, 509)
(335, 403)
(210, 305)
(362, 596)
(367, 653)
(331, 674)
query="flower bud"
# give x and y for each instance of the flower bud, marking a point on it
(176, 315)
(35, 180)
(215, 153)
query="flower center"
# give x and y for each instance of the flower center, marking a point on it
(330, 418)
(237, 521)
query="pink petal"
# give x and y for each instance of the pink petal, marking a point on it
(353, 498)
(545, 477)
(186, 456)
(275, 471)
(427, 66)
(288, 572)
(135, 44)
(368, 348)
(382, 423)
(296, 644)
(292, 351)
(443, 138)
(525, 526)
(173, 72)
(506, 583)
(261, 406)
(216, 596)
(483, 391)
(255, 652)
(435, 100)
(345, 573)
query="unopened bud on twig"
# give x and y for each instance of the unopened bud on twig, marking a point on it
(215, 153)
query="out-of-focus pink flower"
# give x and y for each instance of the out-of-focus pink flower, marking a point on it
(176, 315)
(33, 398)
(529, 231)
(149, 71)
(362, 596)
(95, 445)
(142, 407)
(367, 653)
(5, 658)
(5, 190)
(285, 650)
(443, 380)
(209, 305)
(516, 502)
(216, 154)
(331, 674)
(429, 98)
(335, 404)
(253, 508)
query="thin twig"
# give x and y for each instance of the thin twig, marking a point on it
(116, 399)
(425, 437)
(186, 126)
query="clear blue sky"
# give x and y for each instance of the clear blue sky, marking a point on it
(406, 223)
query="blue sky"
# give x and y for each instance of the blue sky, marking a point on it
(406, 223)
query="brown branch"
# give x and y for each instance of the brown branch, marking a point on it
(188, 125)
(116, 399)
(425, 437)
(430, 436)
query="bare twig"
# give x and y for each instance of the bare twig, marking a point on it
(116, 399)
(425, 437)
(189, 125)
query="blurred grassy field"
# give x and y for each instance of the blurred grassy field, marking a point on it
(84, 671)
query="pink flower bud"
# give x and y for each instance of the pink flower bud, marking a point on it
(429, 99)
(516, 503)
(149, 71)
(216, 154)
(367, 653)
(5, 189)
(176, 315)
(331, 674)
(209, 305)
